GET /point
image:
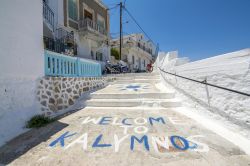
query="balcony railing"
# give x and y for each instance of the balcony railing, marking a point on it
(48, 15)
(132, 43)
(148, 50)
(61, 65)
(89, 24)
(59, 46)
(63, 34)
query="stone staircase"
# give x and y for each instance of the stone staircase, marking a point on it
(137, 78)
(133, 90)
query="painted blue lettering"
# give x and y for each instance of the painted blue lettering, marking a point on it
(183, 140)
(96, 143)
(61, 139)
(105, 120)
(156, 119)
(125, 123)
(194, 145)
(144, 138)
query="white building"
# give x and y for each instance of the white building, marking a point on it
(22, 64)
(83, 25)
(136, 51)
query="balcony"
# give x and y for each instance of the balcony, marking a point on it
(48, 16)
(62, 42)
(65, 36)
(148, 50)
(60, 46)
(88, 27)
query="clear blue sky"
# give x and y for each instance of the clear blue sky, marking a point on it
(196, 28)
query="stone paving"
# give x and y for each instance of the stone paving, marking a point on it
(116, 132)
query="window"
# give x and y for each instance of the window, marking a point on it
(88, 15)
(100, 21)
(92, 54)
(99, 56)
(72, 10)
(144, 63)
(133, 59)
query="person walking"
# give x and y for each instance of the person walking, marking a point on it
(150, 67)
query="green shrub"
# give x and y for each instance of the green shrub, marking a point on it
(38, 121)
(115, 53)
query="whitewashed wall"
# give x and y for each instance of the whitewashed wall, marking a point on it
(21, 53)
(230, 70)
(138, 54)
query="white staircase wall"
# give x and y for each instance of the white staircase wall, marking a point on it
(230, 70)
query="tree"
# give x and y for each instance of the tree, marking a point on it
(115, 53)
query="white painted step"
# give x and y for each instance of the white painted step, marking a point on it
(126, 109)
(170, 95)
(130, 78)
(167, 103)
(136, 81)
(137, 74)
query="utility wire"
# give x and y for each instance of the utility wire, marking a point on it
(133, 18)
(113, 7)
(139, 25)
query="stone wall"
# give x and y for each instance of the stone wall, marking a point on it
(56, 94)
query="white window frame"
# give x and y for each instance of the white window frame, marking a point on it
(102, 19)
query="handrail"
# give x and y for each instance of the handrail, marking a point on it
(205, 83)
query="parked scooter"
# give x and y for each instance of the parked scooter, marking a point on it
(111, 69)
(115, 69)
(123, 67)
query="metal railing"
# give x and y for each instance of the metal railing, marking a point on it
(48, 15)
(133, 43)
(87, 23)
(60, 46)
(61, 65)
(54, 45)
(148, 50)
(206, 83)
(63, 34)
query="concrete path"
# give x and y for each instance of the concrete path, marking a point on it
(130, 122)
